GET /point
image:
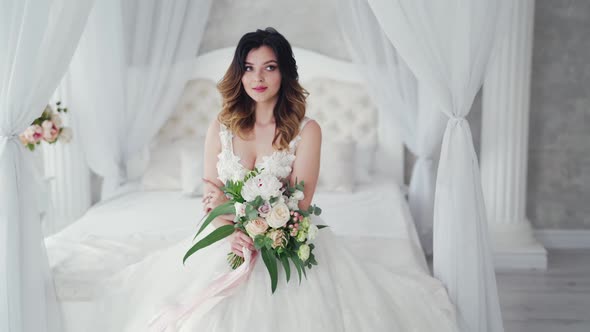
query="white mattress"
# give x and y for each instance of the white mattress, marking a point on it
(375, 219)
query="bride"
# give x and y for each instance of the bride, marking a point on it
(263, 124)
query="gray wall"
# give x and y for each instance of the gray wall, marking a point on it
(309, 24)
(559, 145)
(559, 139)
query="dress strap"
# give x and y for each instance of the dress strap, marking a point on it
(295, 141)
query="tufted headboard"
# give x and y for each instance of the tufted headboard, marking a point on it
(338, 101)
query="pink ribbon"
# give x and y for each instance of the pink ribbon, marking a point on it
(222, 287)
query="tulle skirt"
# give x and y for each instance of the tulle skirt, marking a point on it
(341, 293)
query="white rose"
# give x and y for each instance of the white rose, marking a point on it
(292, 203)
(240, 209)
(56, 119)
(303, 252)
(263, 185)
(256, 227)
(66, 135)
(312, 232)
(278, 216)
(298, 195)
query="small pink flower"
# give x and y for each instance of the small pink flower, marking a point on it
(264, 209)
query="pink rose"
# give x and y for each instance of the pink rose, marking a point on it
(256, 227)
(33, 134)
(23, 139)
(50, 132)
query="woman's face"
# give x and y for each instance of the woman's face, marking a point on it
(262, 78)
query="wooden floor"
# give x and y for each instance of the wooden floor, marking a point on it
(556, 300)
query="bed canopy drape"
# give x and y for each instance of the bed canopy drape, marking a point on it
(37, 40)
(447, 46)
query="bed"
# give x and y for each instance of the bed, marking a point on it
(360, 193)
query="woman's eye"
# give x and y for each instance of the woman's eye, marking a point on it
(271, 68)
(248, 68)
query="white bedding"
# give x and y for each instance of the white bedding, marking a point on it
(122, 231)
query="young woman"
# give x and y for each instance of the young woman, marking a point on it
(263, 124)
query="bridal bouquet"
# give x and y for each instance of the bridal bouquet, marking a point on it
(48, 127)
(267, 210)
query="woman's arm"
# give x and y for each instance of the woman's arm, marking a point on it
(307, 164)
(212, 149)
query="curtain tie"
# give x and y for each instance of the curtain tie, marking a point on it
(456, 118)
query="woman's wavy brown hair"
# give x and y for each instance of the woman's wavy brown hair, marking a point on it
(238, 108)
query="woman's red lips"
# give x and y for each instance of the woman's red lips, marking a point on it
(260, 88)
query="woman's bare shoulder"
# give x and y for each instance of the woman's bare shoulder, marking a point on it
(311, 130)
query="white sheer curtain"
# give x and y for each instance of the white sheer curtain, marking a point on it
(37, 40)
(447, 44)
(399, 99)
(132, 64)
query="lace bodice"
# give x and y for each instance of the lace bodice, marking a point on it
(279, 163)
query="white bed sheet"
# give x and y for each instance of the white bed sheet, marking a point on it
(122, 231)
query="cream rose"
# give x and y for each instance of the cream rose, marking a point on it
(278, 238)
(278, 216)
(256, 227)
(303, 252)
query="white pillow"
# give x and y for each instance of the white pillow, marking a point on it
(175, 166)
(191, 170)
(337, 167)
(163, 170)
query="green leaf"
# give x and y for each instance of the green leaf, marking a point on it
(271, 265)
(296, 261)
(286, 266)
(259, 241)
(299, 262)
(257, 202)
(218, 234)
(225, 208)
(317, 211)
(251, 212)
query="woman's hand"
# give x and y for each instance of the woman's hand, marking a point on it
(214, 197)
(238, 240)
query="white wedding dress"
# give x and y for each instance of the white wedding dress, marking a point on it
(341, 293)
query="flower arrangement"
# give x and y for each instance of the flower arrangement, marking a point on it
(267, 210)
(48, 127)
